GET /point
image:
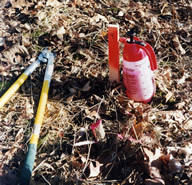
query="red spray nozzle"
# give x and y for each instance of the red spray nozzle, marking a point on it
(122, 39)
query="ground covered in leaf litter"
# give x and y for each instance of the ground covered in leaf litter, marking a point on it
(144, 143)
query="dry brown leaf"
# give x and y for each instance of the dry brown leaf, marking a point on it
(39, 5)
(161, 83)
(70, 99)
(95, 169)
(153, 156)
(104, 33)
(172, 116)
(4, 68)
(2, 41)
(41, 16)
(97, 18)
(178, 45)
(47, 166)
(130, 149)
(164, 6)
(153, 166)
(82, 143)
(25, 41)
(174, 165)
(19, 3)
(81, 35)
(121, 13)
(140, 13)
(188, 125)
(168, 96)
(155, 22)
(92, 115)
(78, 162)
(10, 153)
(17, 48)
(83, 159)
(77, 2)
(154, 182)
(180, 105)
(75, 69)
(137, 130)
(167, 73)
(183, 79)
(19, 135)
(53, 3)
(165, 159)
(29, 110)
(187, 151)
(149, 139)
(86, 87)
(60, 32)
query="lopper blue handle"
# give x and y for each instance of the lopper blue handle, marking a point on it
(28, 165)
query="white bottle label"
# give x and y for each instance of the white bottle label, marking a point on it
(138, 79)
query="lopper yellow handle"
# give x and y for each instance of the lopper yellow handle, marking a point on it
(40, 113)
(4, 99)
